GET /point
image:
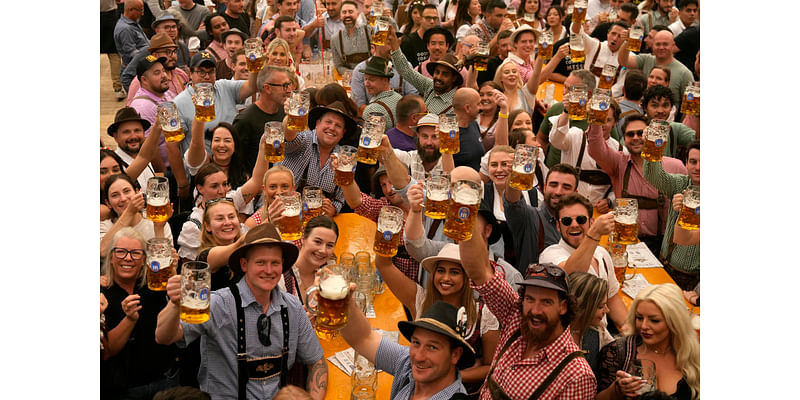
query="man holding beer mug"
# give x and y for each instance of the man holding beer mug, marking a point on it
(599, 54)
(383, 100)
(627, 180)
(681, 262)
(657, 103)
(277, 335)
(578, 248)
(465, 106)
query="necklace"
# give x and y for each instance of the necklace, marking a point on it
(666, 349)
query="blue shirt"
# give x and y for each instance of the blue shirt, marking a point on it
(395, 360)
(226, 96)
(128, 37)
(218, 366)
(359, 93)
(302, 154)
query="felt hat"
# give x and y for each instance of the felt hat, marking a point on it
(448, 36)
(524, 28)
(160, 41)
(450, 61)
(378, 66)
(265, 233)
(233, 31)
(352, 130)
(126, 114)
(165, 17)
(445, 319)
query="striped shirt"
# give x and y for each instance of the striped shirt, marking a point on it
(390, 98)
(436, 103)
(685, 258)
(302, 157)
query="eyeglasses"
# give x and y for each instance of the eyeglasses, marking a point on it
(217, 200)
(285, 86)
(541, 270)
(639, 133)
(567, 221)
(169, 52)
(171, 27)
(205, 73)
(264, 324)
(121, 253)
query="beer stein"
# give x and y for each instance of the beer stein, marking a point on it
(291, 224)
(170, 123)
(157, 199)
(481, 56)
(545, 45)
(370, 140)
(635, 38)
(299, 103)
(273, 141)
(437, 195)
(576, 106)
(607, 77)
(381, 31)
(312, 203)
(195, 292)
(689, 217)
(655, 140)
(579, 11)
(521, 177)
(364, 379)
(465, 199)
(159, 263)
(626, 220)
(387, 237)
(253, 51)
(449, 134)
(346, 157)
(332, 303)
(598, 107)
(204, 102)
(576, 53)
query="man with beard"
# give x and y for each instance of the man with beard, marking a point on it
(384, 100)
(350, 46)
(236, 17)
(160, 46)
(533, 229)
(627, 180)
(598, 54)
(172, 26)
(494, 21)
(579, 249)
(155, 83)
(662, 56)
(129, 135)
(410, 109)
(232, 40)
(331, 23)
(216, 24)
(426, 159)
(359, 92)
(536, 355)
(437, 40)
(663, 12)
(414, 46)
(465, 106)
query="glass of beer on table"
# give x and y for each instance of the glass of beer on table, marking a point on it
(655, 140)
(332, 306)
(195, 292)
(347, 76)
(689, 217)
(364, 379)
(579, 11)
(524, 164)
(370, 140)
(387, 237)
(346, 161)
(299, 103)
(159, 263)
(312, 203)
(576, 105)
(381, 31)
(273, 140)
(449, 134)
(691, 100)
(291, 223)
(626, 220)
(598, 107)
(170, 123)
(437, 195)
(204, 102)
(546, 45)
(253, 51)
(481, 56)
(157, 198)
(607, 77)
(635, 38)
(465, 199)
(576, 53)
(365, 274)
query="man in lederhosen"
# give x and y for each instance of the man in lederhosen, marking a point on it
(277, 334)
(350, 46)
(599, 54)
(383, 100)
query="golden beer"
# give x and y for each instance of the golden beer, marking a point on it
(386, 243)
(203, 113)
(579, 15)
(619, 273)
(449, 142)
(511, 14)
(343, 178)
(157, 209)
(174, 136)
(332, 309)
(545, 50)
(371, 19)
(158, 273)
(627, 229)
(576, 110)
(379, 39)
(192, 315)
(691, 102)
(521, 180)
(309, 213)
(436, 208)
(598, 116)
(367, 155)
(635, 38)
(653, 150)
(274, 152)
(634, 44)
(481, 63)
(297, 122)
(291, 225)
(606, 82)
(254, 64)
(689, 217)
(460, 220)
(577, 55)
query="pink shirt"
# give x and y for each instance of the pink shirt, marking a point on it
(217, 47)
(525, 68)
(147, 110)
(176, 85)
(614, 164)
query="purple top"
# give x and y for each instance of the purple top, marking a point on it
(400, 140)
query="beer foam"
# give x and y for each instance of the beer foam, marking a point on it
(391, 226)
(690, 203)
(467, 196)
(438, 196)
(194, 302)
(292, 210)
(334, 288)
(157, 201)
(625, 219)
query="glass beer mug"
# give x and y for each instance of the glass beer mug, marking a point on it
(370, 140)
(546, 45)
(576, 53)
(312, 203)
(689, 217)
(291, 223)
(170, 123)
(273, 141)
(635, 38)
(482, 56)
(381, 31)
(346, 165)
(464, 202)
(521, 177)
(195, 292)
(579, 11)
(299, 103)
(332, 306)
(655, 140)
(437, 195)
(204, 102)
(576, 107)
(159, 263)
(253, 50)
(626, 219)
(387, 237)
(598, 107)
(157, 199)
(449, 134)
(607, 77)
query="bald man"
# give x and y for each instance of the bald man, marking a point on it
(663, 43)
(465, 105)
(128, 35)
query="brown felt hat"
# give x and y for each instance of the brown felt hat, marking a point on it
(264, 234)
(126, 114)
(450, 61)
(160, 41)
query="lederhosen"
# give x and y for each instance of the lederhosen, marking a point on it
(598, 71)
(474, 340)
(645, 203)
(497, 391)
(592, 176)
(262, 368)
(356, 58)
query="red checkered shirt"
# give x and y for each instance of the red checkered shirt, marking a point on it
(371, 208)
(520, 377)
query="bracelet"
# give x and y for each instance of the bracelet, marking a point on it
(596, 240)
(501, 115)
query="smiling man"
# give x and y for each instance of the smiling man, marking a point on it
(383, 100)
(599, 54)
(275, 318)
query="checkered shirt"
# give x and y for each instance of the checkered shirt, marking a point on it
(371, 208)
(303, 152)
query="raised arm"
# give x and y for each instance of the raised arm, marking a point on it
(547, 70)
(581, 259)
(218, 255)
(596, 145)
(249, 88)
(253, 185)
(196, 154)
(357, 333)
(625, 58)
(168, 327)
(501, 129)
(146, 153)
(559, 134)
(665, 182)
(395, 169)
(421, 82)
(533, 81)
(414, 228)
(128, 218)
(402, 286)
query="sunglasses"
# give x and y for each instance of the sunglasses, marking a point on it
(217, 200)
(567, 221)
(120, 253)
(264, 324)
(639, 133)
(542, 270)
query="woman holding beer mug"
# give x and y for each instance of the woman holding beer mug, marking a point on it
(588, 327)
(527, 8)
(134, 364)
(449, 283)
(278, 179)
(225, 152)
(662, 332)
(126, 204)
(316, 248)
(222, 235)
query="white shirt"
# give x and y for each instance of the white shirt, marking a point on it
(596, 7)
(412, 160)
(561, 251)
(488, 320)
(591, 45)
(146, 174)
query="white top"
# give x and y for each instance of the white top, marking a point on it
(147, 172)
(569, 140)
(596, 7)
(144, 227)
(561, 251)
(540, 162)
(488, 320)
(412, 160)
(590, 46)
(189, 239)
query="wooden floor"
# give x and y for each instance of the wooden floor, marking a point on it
(108, 102)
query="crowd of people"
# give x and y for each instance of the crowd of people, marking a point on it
(542, 313)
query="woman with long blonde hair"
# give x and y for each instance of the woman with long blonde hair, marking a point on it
(660, 330)
(521, 95)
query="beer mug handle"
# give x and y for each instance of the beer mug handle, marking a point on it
(311, 301)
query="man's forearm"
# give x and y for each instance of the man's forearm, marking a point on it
(581, 258)
(168, 327)
(475, 257)
(317, 383)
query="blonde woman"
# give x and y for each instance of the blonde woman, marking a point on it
(521, 96)
(661, 332)
(278, 53)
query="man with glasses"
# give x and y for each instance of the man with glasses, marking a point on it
(170, 25)
(628, 181)
(128, 35)
(160, 46)
(414, 47)
(579, 250)
(256, 333)
(274, 85)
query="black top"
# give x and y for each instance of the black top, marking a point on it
(249, 125)
(689, 43)
(242, 23)
(491, 69)
(141, 360)
(414, 49)
(469, 139)
(224, 276)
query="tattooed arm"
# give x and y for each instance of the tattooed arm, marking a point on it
(317, 382)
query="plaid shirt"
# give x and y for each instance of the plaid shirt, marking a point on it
(519, 376)
(481, 29)
(371, 208)
(302, 154)
(390, 98)
(436, 103)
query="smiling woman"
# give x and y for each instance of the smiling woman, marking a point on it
(316, 248)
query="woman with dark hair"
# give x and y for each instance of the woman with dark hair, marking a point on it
(333, 92)
(225, 152)
(527, 7)
(487, 119)
(467, 14)
(555, 22)
(410, 19)
(316, 248)
(126, 204)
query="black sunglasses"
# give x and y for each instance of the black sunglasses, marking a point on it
(639, 133)
(567, 221)
(264, 324)
(541, 269)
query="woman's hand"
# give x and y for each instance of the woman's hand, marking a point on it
(135, 206)
(275, 210)
(328, 208)
(627, 384)
(131, 307)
